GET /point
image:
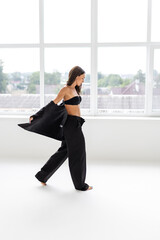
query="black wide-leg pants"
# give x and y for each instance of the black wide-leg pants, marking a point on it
(73, 148)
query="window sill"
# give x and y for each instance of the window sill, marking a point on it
(153, 118)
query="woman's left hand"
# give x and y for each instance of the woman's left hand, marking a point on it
(30, 119)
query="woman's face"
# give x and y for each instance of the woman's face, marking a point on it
(80, 79)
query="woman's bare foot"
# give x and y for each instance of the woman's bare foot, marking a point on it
(44, 184)
(90, 187)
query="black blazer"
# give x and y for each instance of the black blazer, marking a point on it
(48, 121)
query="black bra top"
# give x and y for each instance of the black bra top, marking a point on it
(73, 101)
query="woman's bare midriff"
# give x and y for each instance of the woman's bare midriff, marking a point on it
(73, 109)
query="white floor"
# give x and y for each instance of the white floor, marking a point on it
(124, 203)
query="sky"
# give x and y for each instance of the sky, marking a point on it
(124, 60)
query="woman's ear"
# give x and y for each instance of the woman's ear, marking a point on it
(77, 78)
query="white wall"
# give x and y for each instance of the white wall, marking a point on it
(108, 139)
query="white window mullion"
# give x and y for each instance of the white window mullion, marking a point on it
(149, 64)
(93, 77)
(149, 17)
(149, 81)
(41, 38)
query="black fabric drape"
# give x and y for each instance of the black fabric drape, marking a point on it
(48, 121)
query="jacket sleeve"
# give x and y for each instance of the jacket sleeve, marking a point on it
(42, 110)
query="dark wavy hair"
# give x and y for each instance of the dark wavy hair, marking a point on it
(73, 73)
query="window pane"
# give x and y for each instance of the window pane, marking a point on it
(58, 62)
(156, 81)
(19, 77)
(121, 79)
(67, 21)
(155, 20)
(19, 21)
(122, 20)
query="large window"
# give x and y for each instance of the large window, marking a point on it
(155, 36)
(121, 80)
(122, 20)
(19, 78)
(19, 56)
(19, 21)
(67, 21)
(116, 42)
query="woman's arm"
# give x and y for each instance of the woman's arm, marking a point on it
(60, 95)
(40, 112)
(56, 100)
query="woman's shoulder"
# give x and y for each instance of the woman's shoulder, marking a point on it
(65, 89)
(68, 90)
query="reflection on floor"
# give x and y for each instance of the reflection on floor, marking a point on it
(124, 203)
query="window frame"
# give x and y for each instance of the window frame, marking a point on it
(94, 45)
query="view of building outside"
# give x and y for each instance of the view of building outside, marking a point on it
(121, 69)
(19, 75)
(121, 79)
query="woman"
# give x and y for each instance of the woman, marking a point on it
(73, 145)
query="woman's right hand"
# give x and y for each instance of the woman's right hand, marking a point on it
(30, 119)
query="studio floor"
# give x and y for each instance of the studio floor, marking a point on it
(124, 203)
